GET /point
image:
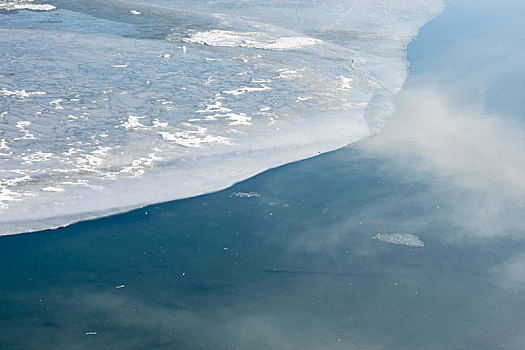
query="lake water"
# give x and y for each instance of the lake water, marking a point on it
(409, 239)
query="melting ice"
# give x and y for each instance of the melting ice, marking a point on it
(106, 107)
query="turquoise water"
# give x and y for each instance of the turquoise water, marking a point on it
(288, 259)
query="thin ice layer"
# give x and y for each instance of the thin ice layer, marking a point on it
(97, 124)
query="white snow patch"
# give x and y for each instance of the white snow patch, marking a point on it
(255, 40)
(25, 5)
(20, 93)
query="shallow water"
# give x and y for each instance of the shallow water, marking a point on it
(290, 259)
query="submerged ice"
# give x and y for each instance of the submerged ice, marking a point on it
(187, 101)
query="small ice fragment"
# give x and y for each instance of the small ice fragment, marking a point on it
(246, 194)
(407, 239)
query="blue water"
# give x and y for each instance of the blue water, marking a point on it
(288, 259)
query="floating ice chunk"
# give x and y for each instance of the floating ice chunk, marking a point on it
(255, 40)
(246, 194)
(400, 238)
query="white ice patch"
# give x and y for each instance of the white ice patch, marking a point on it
(234, 118)
(245, 89)
(25, 5)
(191, 140)
(344, 83)
(246, 194)
(53, 189)
(214, 107)
(138, 166)
(20, 93)
(132, 123)
(407, 239)
(302, 99)
(38, 156)
(3, 144)
(8, 195)
(27, 135)
(284, 73)
(254, 40)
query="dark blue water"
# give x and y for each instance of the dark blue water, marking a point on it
(296, 267)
